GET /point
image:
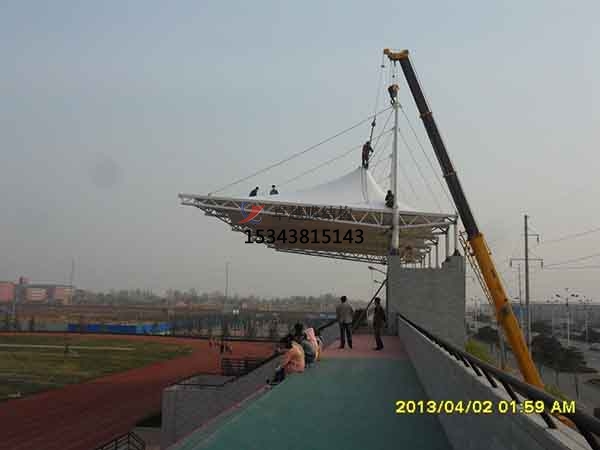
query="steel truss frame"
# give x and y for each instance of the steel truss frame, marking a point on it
(373, 220)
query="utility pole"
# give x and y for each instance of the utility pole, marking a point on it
(528, 330)
(71, 277)
(226, 280)
(520, 297)
(527, 235)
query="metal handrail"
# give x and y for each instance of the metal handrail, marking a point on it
(127, 441)
(587, 425)
(239, 366)
(327, 325)
(230, 380)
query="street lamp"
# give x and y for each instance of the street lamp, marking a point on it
(375, 269)
(585, 302)
(566, 299)
(552, 303)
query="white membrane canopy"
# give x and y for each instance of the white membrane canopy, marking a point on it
(352, 206)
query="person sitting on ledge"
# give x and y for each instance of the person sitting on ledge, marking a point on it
(319, 343)
(253, 192)
(291, 361)
(310, 352)
(312, 338)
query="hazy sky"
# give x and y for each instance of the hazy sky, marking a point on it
(109, 109)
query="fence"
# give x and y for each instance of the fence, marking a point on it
(585, 424)
(129, 441)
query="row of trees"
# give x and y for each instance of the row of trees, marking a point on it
(192, 297)
(547, 351)
(14, 324)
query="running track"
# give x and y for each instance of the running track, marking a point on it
(83, 416)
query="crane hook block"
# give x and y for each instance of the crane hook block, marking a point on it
(395, 55)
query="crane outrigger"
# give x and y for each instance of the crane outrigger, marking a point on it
(504, 313)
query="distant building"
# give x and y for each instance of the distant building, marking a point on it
(35, 294)
(25, 292)
(59, 294)
(7, 291)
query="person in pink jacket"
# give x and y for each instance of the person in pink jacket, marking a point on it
(312, 338)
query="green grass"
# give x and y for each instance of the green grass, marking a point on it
(29, 370)
(478, 350)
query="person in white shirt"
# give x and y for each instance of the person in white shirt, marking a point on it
(344, 314)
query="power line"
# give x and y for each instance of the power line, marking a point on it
(300, 153)
(410, 151)
(571, 236)
(329, 161)
(575, 267)
(414, 132)
(568, 261)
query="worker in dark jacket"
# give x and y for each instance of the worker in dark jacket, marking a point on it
(274, 190)
(379, 321)
(366, 153)
(253, 192)
(389, 199)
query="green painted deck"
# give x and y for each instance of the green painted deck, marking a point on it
(346, 401)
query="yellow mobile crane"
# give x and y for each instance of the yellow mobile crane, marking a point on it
(504, 313)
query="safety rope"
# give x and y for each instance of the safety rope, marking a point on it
(363, 185)
(377, 95)
(410, 151)
(329, 161)
(436, 174)
(297, 154)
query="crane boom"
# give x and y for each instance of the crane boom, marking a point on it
(504, 313)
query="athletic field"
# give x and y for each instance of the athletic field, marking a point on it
(31, 363)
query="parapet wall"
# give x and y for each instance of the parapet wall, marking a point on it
(431, 298)
(445, 379)
(186, 408)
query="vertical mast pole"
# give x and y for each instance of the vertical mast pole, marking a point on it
(527, 306)
(394, 250)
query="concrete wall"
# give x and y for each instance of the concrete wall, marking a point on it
(432, 298)
(444, 378)
(185, 408)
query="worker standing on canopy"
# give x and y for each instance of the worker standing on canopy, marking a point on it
(366, 153)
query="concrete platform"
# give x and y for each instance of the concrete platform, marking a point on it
(345, 401)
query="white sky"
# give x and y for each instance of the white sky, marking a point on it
(110, 109)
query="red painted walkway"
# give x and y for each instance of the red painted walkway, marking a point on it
(83, 416)
(363, 345)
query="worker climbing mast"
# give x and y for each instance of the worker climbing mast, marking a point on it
(504, 313)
